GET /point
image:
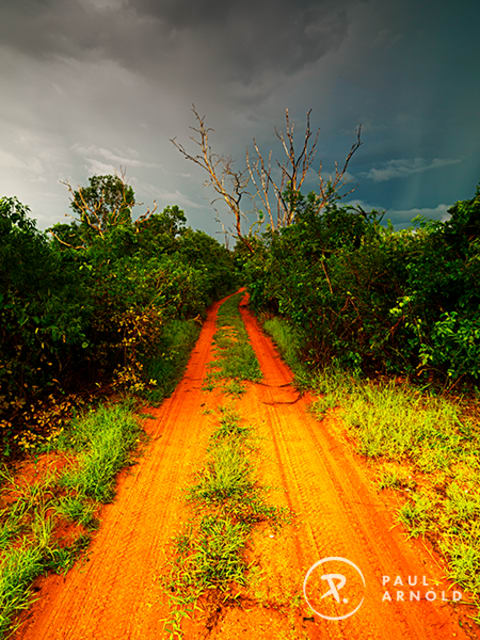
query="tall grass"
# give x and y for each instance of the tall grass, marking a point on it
(105, 438)
(19, 566)
(101, 440)
(425, 446)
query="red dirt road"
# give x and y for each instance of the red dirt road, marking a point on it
(116, 594)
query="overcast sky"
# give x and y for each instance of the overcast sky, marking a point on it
(90, 86)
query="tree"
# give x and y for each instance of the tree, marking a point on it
(160, 232)
(107, 201)
(229, 184)
(281, 194)
(105, 204)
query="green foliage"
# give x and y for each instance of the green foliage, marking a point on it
(44, 309)
(165, 366)
(226, 477)
(105, 438)
(106, 202)
(79, 509)
(94, 300)
(366, 296)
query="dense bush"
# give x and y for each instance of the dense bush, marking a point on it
(90, 300)
(370, 297)
(45, 306)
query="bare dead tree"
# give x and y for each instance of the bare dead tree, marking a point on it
(229, 184)
(293, 171)
(278, 195)
(334, 186)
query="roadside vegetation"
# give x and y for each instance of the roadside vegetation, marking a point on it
(104, 303)
(421, 444)
(49, 509)
(363, 296)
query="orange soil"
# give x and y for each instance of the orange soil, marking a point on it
(116, 592)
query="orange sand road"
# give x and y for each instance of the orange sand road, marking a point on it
(116, 593)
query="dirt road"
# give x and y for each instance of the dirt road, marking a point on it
(116, 594)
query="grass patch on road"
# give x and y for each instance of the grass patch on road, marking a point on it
(235, 360)
(210, 569)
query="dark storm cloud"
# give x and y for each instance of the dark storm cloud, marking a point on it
(239, 40)
(255, 36)
(92, 85)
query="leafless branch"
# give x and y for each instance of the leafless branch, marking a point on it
(228, 183)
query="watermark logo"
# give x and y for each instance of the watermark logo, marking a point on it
(334, 588)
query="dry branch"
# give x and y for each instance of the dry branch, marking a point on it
(229, 184)
(273, 192)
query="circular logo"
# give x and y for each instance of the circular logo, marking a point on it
(334, 588)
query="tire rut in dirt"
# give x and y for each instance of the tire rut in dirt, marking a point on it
(340, 514)
(116, 593)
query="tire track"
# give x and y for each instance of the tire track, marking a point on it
(339, 513)
(115, 593)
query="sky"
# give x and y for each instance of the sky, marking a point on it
(100, 86)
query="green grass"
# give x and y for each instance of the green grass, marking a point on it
(235, 360)
(101, 440)
(426, 446)
(105, 438)
(227, 476)
(19, 566)
(78, 509)
(397, 422)
(228, 502)
(212, 556)
(167, 366)
(229, 425)
(288, 343)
